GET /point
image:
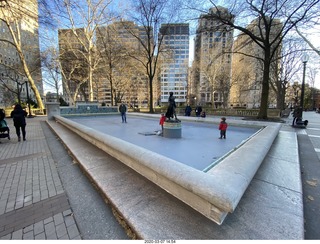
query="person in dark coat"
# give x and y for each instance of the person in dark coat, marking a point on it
(19, 121)
(188, 110)
(123, 110)
(198, 110)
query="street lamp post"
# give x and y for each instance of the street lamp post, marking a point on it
(304, 59)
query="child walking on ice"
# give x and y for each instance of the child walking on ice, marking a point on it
(223, 128)
(161, 122)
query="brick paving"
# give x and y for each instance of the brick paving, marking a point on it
(33, 203)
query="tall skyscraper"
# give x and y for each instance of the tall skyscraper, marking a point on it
(212, 62)
(174, 56)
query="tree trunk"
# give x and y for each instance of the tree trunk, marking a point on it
(281, 97)
(90, 74)
(151, 96)
(263, 112)
(33, 86)
(111, 83)
(27, 72)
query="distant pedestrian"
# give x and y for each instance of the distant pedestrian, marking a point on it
(198, 110)
(188, 110)
(123, 110)
(223, 128)
(19, 121)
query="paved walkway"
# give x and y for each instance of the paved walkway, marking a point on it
(309, 151)
(34, 203)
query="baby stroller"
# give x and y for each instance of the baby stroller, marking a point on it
(4, 129)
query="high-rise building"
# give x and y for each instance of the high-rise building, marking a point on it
(212, 62)
(12, 74)
(247, 70)
(174, 56)
(120, 48)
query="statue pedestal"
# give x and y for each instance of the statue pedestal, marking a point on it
(172, 129)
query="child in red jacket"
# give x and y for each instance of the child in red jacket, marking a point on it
(162, 120)
(223, 128)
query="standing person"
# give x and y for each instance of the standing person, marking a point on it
(123, 110)
(19, 121)
(188, 110)
(198, 110)
(223, 128)
(161, 122)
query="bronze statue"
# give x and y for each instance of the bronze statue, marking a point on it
(171, 111)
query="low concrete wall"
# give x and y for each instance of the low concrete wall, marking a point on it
(214, 194)
(53, 109)
(87, 109)
(272, 113)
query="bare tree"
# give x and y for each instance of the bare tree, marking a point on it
(10, 81)
(21, 20)
(241, 82)
(116, 67)
(271, 21)
(284, 72)
(89, 15)
(51, 66)
(311, 74)
(308, 41)
(73, 65)
(217, 73)
(149, 15)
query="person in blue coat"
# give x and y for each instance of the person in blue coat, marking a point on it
(123, 110)
(188, 110)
